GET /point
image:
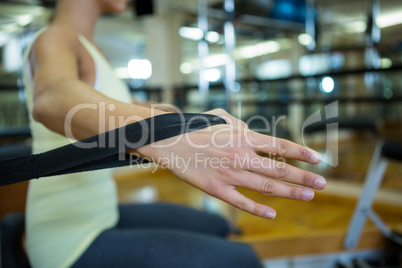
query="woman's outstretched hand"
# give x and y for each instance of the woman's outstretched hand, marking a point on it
(221, 158)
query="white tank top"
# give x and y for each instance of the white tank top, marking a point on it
(64, 214)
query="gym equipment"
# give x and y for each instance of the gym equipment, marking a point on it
(385, 151)
(12, 251)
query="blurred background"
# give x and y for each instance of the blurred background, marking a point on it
(283, 60)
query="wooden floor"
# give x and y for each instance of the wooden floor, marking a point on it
(300, 228)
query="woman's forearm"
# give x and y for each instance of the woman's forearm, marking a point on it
(71, 107)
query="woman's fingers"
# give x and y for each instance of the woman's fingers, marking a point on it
(280, 147)
(272, 187)
(230, 195)
(287, 173)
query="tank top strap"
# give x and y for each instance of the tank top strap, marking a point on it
(90, 48)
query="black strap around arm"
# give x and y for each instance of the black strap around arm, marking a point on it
(103, 150)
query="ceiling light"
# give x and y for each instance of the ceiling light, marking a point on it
(358, 26)
(25, 19)
(327, 84)
(191, 33)
(305, 39)
(12, 55)
(387, 20)
(9, 27)
(4, 37)
(212, 37)
(273, 69)
(186, 68)
(139, 69)
(385, 63)
(212, 75)
(215, 60)
(248, 52)
(383, 21)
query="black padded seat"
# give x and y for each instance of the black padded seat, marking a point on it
(392, 150)
(12, 251)
(15, 131)
(14, 150)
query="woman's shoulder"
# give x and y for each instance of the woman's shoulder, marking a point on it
(56, 36)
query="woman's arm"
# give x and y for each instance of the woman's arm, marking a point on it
(57, 89)
(216, 160)
(154, 105)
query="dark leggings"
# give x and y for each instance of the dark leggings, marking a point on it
(164, 235)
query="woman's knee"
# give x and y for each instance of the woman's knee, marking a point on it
(160, 215)
(239, 255)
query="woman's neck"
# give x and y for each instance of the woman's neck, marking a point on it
(80, 15)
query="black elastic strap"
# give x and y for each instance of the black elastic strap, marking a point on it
(103, 150)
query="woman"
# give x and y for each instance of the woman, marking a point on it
(74, 220)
